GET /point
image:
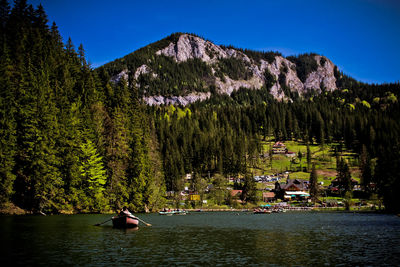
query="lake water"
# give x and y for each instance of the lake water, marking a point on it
(198, 239)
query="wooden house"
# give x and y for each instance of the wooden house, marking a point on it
(268, 196)
(337, 183)
(236, 193)
(295, 189)
(279, 148)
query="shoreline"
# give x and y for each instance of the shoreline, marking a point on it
(298, 209)
(13, 210)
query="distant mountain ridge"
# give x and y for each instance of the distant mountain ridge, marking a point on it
(184, 68)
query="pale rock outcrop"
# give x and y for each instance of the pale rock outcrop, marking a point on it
(176, 100)
(292, 80)
(230, 85)
(144, 69)
(190, 47)
(230, 52)
(277, 92)
(275, 68)
(122, 75)
(324, 76)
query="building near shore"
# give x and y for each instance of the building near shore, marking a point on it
(279, 148)
(293, 189)
(268, 196)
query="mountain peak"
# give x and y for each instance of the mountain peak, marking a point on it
(186, 65)
(190, 46)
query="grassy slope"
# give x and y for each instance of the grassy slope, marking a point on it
(324, 159)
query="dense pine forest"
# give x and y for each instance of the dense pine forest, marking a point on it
(223, 135)
(73, 141)
(70, 141)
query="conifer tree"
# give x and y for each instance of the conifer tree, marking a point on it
(387, 179)
(365, 167)
(7, 126)
(344, 177)
(308, 156)
(70, 142)
(93, 176)
(156, 186)
(313, 184)
(219, 191)
(249, 189)
(139, 168)
(4, 17)
(117, 155)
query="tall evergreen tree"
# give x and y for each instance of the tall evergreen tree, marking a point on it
(117, 153)
(344, 177)
(314, 183)
(7, 124)
(365, 167)
(249, 189)
(93, 176)
(308, 156)
(387, 179)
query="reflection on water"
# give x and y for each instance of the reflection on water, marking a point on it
(301, 239)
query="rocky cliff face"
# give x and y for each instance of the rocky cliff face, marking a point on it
(189, 47)
(284, 72)
(176, 100)
(322, 78)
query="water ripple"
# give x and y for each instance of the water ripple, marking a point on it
(220, 239)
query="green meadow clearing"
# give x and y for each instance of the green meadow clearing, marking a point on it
(324, 159)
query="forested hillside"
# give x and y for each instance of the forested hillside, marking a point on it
(304, 98)
(74, 139)
(70, 141)
(223, 135)
(183, 68)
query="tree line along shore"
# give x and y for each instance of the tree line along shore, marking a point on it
(73, 141)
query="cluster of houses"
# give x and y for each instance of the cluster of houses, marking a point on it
(292, 189)
(297, 189)
(335, 185)
(266, 178)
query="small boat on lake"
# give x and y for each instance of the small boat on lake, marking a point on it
(125, 221)
(262, 211)
(172, 212)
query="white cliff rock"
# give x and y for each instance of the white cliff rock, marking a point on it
(122, 75)
(190, 47)
(230, 85)
(176, 100)
(275, 68)
(277, 92)
(324, 76)
(144, 69)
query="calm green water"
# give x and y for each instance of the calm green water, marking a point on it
(284, 239)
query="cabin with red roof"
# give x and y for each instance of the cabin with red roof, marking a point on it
(279, 148)
(268, 196)
(236, 193)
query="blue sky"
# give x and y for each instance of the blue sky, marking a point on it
(362, 37)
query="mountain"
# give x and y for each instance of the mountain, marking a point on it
(184, 68)
(74, 139)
